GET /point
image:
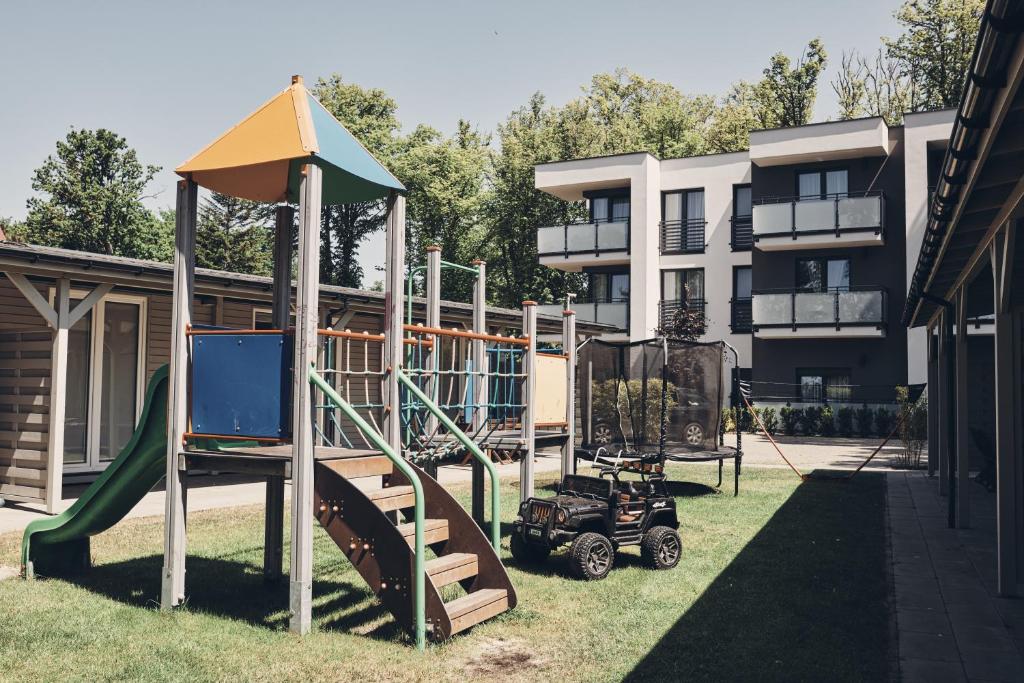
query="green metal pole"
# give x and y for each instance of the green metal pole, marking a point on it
(420, 605)
(473, 448)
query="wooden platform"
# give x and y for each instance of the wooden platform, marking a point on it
(260, 460)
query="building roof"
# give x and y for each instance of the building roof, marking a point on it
(983, 167)
(153, 275)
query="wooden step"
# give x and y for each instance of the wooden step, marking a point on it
(393, 498)
(367, 466)
(434, 531)
(475, 607)
(448, 569)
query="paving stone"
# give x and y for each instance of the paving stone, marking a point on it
(937, 647)
(919, 599)
(975, 595)
(923, 621)
(983, 638)
(994, 666)
(929, 671)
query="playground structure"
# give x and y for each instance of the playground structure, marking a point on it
(657, 400)
(325, 407)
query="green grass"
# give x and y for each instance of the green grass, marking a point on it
(786, 582)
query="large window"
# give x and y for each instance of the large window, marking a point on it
(683, 285)
(823, 384)
(822, 184)
(682, 221)
(609, 209)
(741, 282)
(742, 202)
(823, 274)
(609, 287)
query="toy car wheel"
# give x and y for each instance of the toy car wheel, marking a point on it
(661, 547)
(602, 433)
(693, 434)
(528, 553)
(591, 556)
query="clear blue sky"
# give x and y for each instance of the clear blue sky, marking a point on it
(170, 76)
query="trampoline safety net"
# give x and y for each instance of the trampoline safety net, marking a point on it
(655, 395)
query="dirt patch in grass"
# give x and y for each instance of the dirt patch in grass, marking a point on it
(8, 573)
(496, 657)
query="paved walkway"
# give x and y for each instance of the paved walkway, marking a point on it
(222, 491)
(950, 624)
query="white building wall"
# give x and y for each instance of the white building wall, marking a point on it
(645, 213)
(919, 130)
(716, 174)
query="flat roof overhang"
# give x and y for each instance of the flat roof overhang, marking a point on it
(828, 141)
(568, 180)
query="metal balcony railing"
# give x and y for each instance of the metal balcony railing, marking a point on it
(795, 217)
(861, 306)
(668, 308)
(740, 316)
(683, 237)
(613, 312)
(586, 237)
(742, 233)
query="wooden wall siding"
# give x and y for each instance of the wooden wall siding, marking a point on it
(158, 341)
(16, 313)
(24, 408)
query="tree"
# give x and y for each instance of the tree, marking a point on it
(935, 47)
(370, 115)
(686, 323)
(92, 197)
(849, 86)
(879, 87)
(446, 181)
(235, 235)
(786, 94)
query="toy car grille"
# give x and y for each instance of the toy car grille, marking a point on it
(539, 513)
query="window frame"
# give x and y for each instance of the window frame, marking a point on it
(823, 193)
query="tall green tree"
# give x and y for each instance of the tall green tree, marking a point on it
(785, 95)
(935, 47)
(91, 194)
(446, 180)
(236, 235)
(370, 115)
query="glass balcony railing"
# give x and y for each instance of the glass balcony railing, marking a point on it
(793, 217)
(614, 312)
(862, 306)
(594, 237)
(683, 237)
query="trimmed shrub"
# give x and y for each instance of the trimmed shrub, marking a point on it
(791, 418)
(885, 420)
(752, 426)
(844, 421)
(865, 421)
(743, 420)
(729, 420)
(826, 424)
(771, 420)
(811, 422)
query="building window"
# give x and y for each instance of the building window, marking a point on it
(824, 384)
(608, 287)
(742, 219)
(822, 184)
(609, 209)
(683, 285)
(682, 221)
(823, 274)
(741, 299)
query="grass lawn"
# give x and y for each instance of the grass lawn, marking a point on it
(786, 582)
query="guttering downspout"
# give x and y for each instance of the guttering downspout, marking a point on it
(1001, 24)
(947, 331)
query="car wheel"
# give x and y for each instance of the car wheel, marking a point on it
(661, 547)
(602, 433)
(693, 434)
(525, 552)
(591, 556)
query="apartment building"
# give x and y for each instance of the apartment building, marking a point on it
(796, 250)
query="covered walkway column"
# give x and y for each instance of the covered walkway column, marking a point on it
(1008, 408)
(961, 448)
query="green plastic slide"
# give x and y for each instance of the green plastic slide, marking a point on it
(61, 543)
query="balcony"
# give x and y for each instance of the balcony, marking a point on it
(614, 312)
(740, 315)
(574, 245)
(742, 233)
(855, 313)
(846, 221)
(683, 237)
(668, 308)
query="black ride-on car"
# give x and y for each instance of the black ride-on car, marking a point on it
(597, 516)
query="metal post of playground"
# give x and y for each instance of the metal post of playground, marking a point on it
(529, 389)
(172, 580)
(569, 350)
(432, 355)
(479, 383)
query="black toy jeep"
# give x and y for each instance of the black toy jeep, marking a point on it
(597, 515)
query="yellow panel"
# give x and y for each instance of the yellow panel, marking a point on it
(551, 389)
(271, 133)
(259, 182)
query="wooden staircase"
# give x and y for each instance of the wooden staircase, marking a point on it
(360, 520)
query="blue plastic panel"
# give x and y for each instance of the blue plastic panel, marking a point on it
(241, 385)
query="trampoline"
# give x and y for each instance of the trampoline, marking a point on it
(647, 402)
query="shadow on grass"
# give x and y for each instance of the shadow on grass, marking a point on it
(236, 590)
(805, 599)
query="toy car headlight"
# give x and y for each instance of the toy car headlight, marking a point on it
(560, 516)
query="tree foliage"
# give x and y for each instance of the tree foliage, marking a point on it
(91, 194)
(785, 95)
(236, 235)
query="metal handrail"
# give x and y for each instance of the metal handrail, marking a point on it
(741, 232)
(783, 199)
(683, 236)
(419, 548)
